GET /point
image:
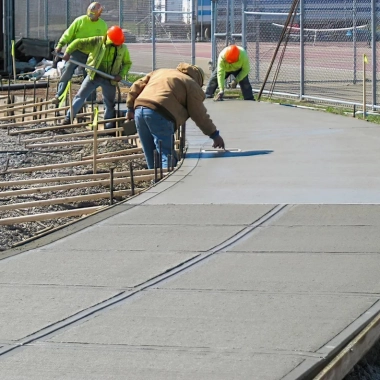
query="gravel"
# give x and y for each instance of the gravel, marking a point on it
(13, 154)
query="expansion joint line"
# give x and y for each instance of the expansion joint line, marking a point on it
(93, 311)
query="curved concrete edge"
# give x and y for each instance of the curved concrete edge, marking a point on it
(310, 368)
(87, 221)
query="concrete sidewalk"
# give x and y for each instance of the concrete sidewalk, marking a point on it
(254, 263)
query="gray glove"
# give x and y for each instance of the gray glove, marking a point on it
(220, 95)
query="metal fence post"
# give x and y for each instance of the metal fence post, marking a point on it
(193, 32)
(213, 31)
(153, 37)
(244, 25)
(302, 49)
(374, 52)
(46, 10)
(27, 15)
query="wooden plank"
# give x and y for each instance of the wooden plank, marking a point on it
(49, 216)
(48, 189)
(83, 177)
(71, 164)
(65, 200)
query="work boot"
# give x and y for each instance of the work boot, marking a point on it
(66, 121)
(55, 100)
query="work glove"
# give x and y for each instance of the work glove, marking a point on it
(233, 84)
(66, 57)
(220, 95)
(218, 142)
(130, 115)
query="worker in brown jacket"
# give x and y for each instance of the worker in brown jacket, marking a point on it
(162, 101)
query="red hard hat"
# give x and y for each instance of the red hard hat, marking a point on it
(116, 35)
(232, 54)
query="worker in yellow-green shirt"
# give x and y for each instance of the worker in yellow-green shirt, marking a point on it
(108, 55)
(232, 60)
(88, 25)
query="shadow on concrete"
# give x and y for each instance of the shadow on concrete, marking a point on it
(227, 153)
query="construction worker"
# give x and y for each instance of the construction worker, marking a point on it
(232, 60)
(162, 101)
(88, 25)
(108, 54)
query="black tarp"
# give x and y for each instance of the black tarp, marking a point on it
(27, 48)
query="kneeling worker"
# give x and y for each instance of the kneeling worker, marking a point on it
(162, 101)
(232, 60)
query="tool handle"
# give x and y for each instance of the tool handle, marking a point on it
(101, 73)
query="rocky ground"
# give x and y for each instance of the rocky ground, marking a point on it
(13, 154)
(369, 367)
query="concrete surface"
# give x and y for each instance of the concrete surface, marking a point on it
(254, 263)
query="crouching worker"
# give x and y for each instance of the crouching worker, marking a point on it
(109, 55)
(232, 60)
(162, 101)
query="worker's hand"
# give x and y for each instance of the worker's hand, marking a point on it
(218, 142)
(233, 84)
(58, 49)
(220, 95)
(118, 78)
(66, 57)
(130, 115)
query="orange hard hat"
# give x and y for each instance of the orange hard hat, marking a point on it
(116, 35)
(232, 54)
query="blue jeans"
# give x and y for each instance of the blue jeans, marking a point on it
(152, 128)
(87, 87)
(68, 70)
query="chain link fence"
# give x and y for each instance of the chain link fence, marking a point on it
(165, 42)
(323, 55)
(325, 46)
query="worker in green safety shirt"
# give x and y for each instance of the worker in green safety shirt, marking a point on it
(88, 25)
(109, 55)
(232, 60)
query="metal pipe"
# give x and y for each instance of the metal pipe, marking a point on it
(101, 73)
(27, 13)
(302, 49)
(193, 31)
(374, 53)
(228, 22)
(354, 39)
(244, 25)
(153, 37)
(257, 40)
(46, 10)
(213, 35)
